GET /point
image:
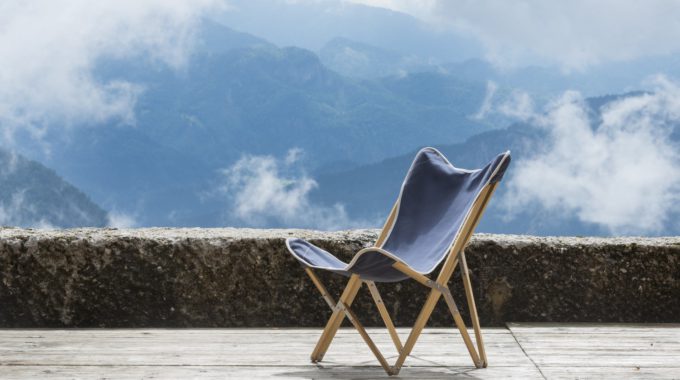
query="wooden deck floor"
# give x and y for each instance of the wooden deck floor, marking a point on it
(521, 351)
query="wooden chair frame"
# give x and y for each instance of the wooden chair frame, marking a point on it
(438, 287)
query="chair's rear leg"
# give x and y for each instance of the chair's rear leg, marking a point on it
(384, 314)
(462, 328)
(334, 322)
(473, 309)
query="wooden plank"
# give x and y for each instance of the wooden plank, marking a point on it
(589, 325)
(605, 338)
(249, 372)
(601, 351)
(357, 357)
(611, 373)
(561, 352)
(605, 361)
(219, 347)
(607, 328)
(232, 330)
(228, 331)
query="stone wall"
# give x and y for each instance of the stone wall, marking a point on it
(160, 277)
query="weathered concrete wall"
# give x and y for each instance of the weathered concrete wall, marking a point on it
(244, 277)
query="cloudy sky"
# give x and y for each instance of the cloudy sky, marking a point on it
(49, 50)
(620, 172)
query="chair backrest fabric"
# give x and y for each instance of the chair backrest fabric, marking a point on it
(434, 202)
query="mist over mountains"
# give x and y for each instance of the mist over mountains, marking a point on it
(242, 95)
(267, 125)
(380, 182)
(312, 24)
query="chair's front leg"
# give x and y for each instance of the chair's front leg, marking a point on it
(473, 308)
(439, 288)
(362, 331)
(334, 322)
(421, 321)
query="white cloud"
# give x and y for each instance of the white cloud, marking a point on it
(518, 105)
(573, 34)
(487, 104)
(512, 106)
(264, 191)
(623, 173)
(118, 219)
(48, 50)
(293, 156)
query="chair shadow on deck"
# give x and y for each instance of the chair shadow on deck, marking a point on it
(376, 372)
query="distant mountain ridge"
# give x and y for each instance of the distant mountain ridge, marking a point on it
(355, 59)
(32, 195)
(241, 95)
(311, 24)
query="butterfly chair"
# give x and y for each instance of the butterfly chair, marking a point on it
(438, 208)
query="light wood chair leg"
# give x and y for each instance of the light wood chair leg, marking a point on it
(322, 289)
(418, 326)
(362, 331)
(461, 327)
(334, 322)
(473, 309)
(384, 314)
(328, 334)
(439, 288)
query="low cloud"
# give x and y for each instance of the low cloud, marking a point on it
(49, 50)
(572, 34)
(516, 105)
(487, 104)
(265, 191)
(118, 219)
(620, 171)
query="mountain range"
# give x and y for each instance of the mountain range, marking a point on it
(32, 195)
(357, 107)
(241, 95)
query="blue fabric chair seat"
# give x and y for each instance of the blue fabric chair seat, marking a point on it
(371, 264)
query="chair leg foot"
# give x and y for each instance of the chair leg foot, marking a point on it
(316, 359)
